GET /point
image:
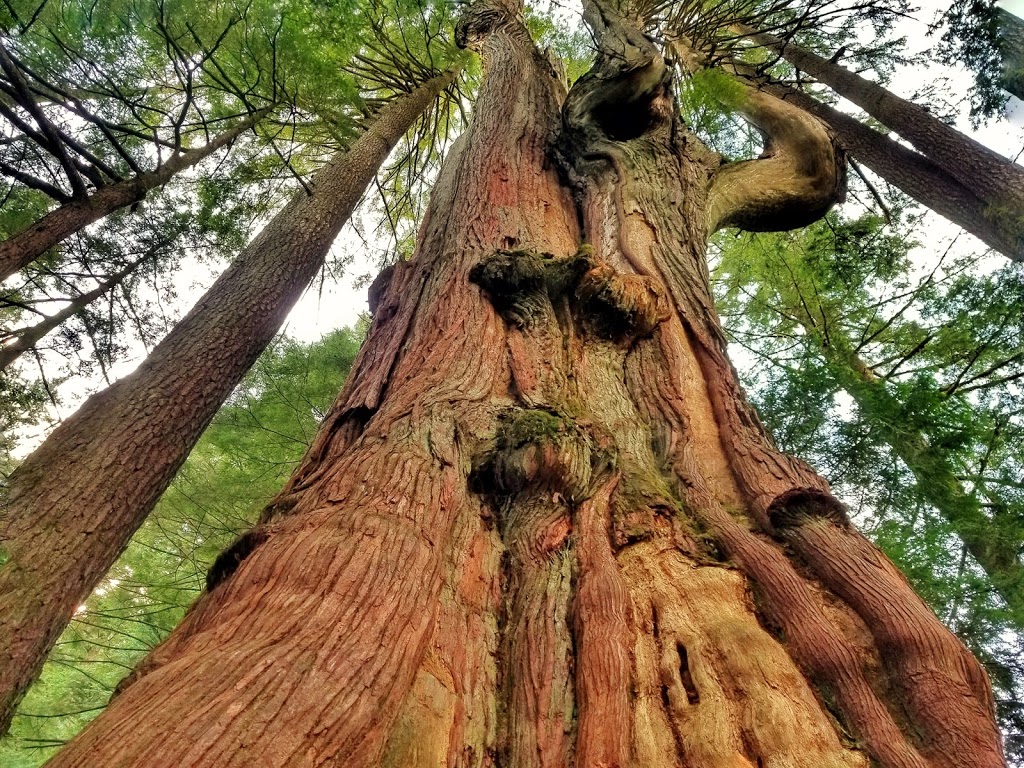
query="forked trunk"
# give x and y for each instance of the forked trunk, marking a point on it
(540, 526)
(74, 503)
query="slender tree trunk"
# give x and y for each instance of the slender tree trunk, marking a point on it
(24, 247)
(541, 526)
(995, 179)
(913, 173)
(74, 503)
(995, 548)
(20, 341)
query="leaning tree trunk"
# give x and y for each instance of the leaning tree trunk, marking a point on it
(997, 180)
(540, 526)
(911, 172)
(24, 247)
(73, 505)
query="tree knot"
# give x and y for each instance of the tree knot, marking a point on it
(799, 506)
(620, 307)
(481, 19)
(540, 451)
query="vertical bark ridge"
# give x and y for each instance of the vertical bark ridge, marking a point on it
(602, 619)
(390, 507)
(944, 689)
(539, 684)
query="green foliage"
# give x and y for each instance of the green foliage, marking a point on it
(972, 37)
(573, 47)
(241, 461)
(708, 100)
(900, 382)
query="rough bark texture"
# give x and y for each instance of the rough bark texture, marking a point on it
(995, 179)
(72, 505)
(541, 526)
(24, 247)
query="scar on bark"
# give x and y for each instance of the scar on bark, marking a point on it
(799, 176)
(227, 562)
(537, 448)
(798, 506)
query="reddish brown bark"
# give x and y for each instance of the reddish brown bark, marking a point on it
(542, 527)
(24, 247)
(73, 504)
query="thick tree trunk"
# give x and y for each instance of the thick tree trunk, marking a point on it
(911, 172)
(74, 503)
(24, 247)
(540, 526)
(995, 179)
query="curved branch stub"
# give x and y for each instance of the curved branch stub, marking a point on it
(798, 178)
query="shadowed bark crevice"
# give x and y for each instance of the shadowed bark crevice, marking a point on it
(227, 562)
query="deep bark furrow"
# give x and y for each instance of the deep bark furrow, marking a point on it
(943, 688)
